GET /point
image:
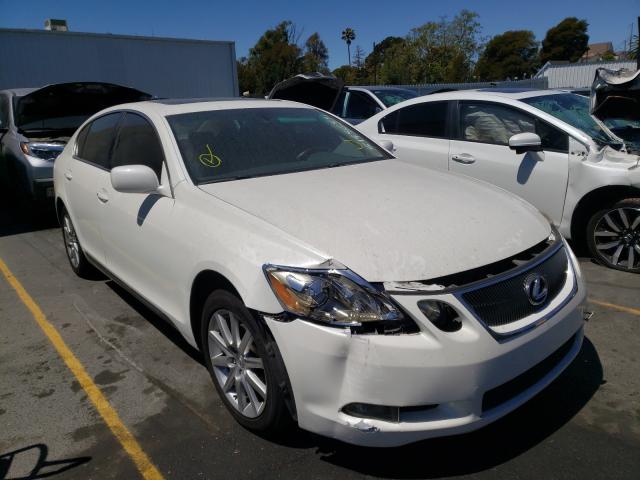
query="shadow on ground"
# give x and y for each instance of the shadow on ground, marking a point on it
(35, 457)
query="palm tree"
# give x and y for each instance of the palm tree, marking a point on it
(348, 35)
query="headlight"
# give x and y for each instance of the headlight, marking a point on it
(337, 297)
(44, 151)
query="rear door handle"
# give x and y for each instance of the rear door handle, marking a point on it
(103, 197)
(68, 175)
(464, 158)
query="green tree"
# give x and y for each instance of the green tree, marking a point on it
(347, 74)
(274, 57)
(375, 61)
(443, 51)
(348, 36)
(509, 55)
(566, 41)
(246, 77)
(316, 55)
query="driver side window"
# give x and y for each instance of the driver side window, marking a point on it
(138, 144)
(360, 106)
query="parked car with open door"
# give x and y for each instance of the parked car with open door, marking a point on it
(351, 103)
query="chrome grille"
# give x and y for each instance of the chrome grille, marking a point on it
(506, 301)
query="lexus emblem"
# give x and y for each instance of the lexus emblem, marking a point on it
(536, 288)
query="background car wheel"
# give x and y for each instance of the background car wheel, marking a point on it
(613, 235)
(244, 363)
(78, 261)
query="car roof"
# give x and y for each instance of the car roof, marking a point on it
(380, 87)
(175, 106)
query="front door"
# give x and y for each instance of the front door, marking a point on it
(137, 226)
(481, 150)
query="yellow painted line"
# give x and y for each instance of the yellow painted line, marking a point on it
(106, 411)
(613, 306)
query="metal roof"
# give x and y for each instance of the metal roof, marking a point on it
(578, 75)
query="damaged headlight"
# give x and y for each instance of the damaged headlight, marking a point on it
(42, 150)
(337, 297)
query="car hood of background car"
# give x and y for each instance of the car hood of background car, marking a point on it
(391, 221)
(314, 89)
(72, 99)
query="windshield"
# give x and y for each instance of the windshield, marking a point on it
(574, 110)
(392, 96)
(223, 145)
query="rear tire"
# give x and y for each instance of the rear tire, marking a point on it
(244, 363)
(613, 235)
(77, 259)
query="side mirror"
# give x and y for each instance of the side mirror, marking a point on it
(525, 142)
(134, 179)
(387, 145)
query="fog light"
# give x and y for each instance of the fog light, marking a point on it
(378, 412)
(441, 314)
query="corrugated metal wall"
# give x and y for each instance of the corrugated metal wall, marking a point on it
(161, 66)
(578, 75)
(537, 83)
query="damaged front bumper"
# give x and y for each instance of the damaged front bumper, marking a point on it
(438, 383)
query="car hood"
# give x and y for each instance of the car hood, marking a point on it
(314, 89)
(615, 94)
(391, 221)
(81, 99)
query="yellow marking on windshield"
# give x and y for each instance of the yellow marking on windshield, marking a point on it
(359, 145)
(210, 159)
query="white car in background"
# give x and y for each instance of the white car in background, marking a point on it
(370, 300)
(542, 145)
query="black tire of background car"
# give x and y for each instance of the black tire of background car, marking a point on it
(591, 226)
(275, 419)
(84, 269)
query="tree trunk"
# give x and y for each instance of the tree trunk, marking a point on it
(349, 52)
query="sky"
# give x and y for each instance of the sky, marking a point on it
(245, 21)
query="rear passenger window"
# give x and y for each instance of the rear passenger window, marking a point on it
(138, 144)
(95, 144)
(427, 119)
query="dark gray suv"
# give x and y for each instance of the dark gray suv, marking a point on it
(35, 125)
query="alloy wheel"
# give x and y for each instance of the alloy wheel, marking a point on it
(71, 242)
(237, 367)
(617, 237)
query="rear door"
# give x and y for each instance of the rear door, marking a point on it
(480, 149)
(420, 133)
(87, 180)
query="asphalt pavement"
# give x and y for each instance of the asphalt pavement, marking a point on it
(585, 425)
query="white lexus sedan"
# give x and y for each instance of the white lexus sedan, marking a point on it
(367, 299)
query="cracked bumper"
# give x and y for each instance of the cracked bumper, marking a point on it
(329, 368)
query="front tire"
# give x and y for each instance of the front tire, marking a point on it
(244, 364)
(613, 235)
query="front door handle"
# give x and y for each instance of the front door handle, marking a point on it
(68, 175)
(464, 158)
(103, 197)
